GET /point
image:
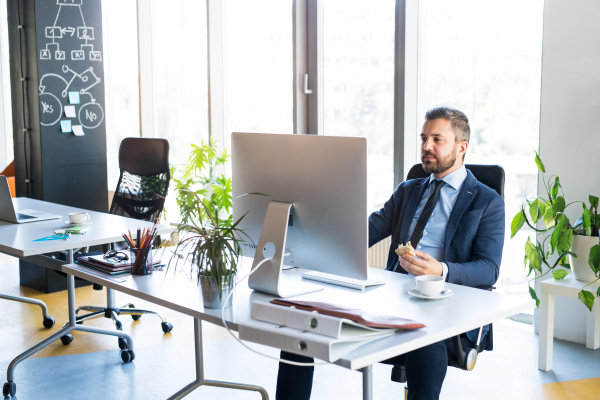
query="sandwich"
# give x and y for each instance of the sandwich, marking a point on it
(408, 249)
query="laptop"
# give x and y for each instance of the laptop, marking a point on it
(8, 212)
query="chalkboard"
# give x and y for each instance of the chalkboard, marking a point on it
(69, 66)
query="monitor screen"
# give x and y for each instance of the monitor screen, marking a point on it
(325, 178)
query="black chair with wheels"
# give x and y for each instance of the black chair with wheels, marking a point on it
(140, 194)
(463, 352)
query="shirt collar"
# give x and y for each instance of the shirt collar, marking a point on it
(454, 179)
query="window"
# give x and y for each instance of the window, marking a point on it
(358, 54)
(470, 60)
(121, 79)
(179, 51)
(258, 56)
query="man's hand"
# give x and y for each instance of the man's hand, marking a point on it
(427, 265)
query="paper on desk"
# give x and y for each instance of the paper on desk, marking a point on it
(78, 130)
(52, 237)
(70, 112)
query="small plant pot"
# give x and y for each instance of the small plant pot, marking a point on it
(581, 246)
(210, 292)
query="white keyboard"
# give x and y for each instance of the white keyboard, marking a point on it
(341, 280)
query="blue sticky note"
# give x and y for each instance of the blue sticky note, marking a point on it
(65, 125)
(74, 97)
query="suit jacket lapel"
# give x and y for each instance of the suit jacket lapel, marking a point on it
(467, 193)
(411, 209)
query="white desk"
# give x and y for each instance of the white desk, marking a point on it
(17, 240)
(568, 287)
(467, 309)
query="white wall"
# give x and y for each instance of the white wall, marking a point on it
(570, 121)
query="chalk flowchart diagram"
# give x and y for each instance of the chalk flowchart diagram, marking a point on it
(57, 32)
(90, 114)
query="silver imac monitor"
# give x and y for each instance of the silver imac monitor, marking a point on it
(324, 178)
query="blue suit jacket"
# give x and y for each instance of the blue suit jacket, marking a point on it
(474, 236)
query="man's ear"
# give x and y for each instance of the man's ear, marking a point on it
(462, 148)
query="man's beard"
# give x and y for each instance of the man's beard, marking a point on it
(441, 165)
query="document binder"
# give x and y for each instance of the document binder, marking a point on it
(307, 333)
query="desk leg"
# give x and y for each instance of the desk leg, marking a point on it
(200, 373)
(367, 373)
(546, 331)
(592, 328)
(72, 326)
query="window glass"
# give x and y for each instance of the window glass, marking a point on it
(484, 58)
(258, 66)
(358, 53)
(122, 92)
(179, 51)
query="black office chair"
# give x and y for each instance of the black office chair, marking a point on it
(463, 352)
(140, 194)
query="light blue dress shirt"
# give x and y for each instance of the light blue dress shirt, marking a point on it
(434, 235)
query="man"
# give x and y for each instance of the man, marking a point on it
(456, 225)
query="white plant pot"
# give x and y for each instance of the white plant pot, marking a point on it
(581, 246)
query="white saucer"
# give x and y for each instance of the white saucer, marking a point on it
(445, 293)
(69, 223)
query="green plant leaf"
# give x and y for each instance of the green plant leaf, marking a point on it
(534, 296)
(587, 298)
(517, 223)
(534, 211)
(555, 187)
(565, 240)
(535, 259)
(594, 259)
(548, 218)
(558, 205)
(557, 231)
(598, 292)
(539, 163)
(559, 274)
(593, 201)
(586, 217)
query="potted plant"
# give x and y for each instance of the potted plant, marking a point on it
(209, 237)
(559, 245)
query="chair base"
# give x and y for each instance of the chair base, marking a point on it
(48, 321)
(113, 313)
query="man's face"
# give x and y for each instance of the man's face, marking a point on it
(439, 150)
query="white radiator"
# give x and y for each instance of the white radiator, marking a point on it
(378, 254)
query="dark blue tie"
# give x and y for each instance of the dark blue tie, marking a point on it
(426, 214)
(417, 234)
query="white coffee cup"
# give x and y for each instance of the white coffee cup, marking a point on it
(79, 217)
(429, 285)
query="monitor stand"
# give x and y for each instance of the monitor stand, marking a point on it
(269, 278)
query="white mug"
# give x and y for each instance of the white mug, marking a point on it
(429, 285)
(79, 217)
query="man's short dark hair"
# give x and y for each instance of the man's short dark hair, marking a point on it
(458, 119)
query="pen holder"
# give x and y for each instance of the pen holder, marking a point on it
(142, 261)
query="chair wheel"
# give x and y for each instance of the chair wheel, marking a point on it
(127, 356)
(9, 389)
(134, 317)
(166, 327)
(49, 322)
(122, 343)
(66, 339)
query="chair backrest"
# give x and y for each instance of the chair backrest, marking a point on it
(490, 175)
(144, 179)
